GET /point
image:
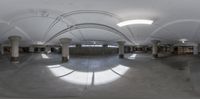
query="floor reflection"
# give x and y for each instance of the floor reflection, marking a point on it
(97, 76)
(88, 78)
(132, 57)
(44, 56)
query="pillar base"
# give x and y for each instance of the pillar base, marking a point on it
(65, 59)
(121, 56)
(14, 59)
(155, 55)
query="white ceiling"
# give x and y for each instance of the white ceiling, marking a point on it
(40, 20)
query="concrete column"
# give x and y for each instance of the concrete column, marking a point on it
(47, 49)
(121, 48)
(145, 49)
(171, 49)
(65, 48)
(14, 41)
(31, 49)
(131, 49)
(155, 48)
(39, 49)
(195, 49)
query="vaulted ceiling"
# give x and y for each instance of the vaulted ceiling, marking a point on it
(85, 21)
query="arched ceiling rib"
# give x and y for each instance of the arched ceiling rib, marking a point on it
(45, 14)
(7, 30)
(175, 30)
(57, 19)
(32, 17)
(14, 24)
(90, 25)
(90, 36)
(165, 13)
(65, 15)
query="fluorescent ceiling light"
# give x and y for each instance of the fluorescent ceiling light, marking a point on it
(183, 40)
(130, 22)
(39, 42)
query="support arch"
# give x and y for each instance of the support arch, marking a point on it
(89, 25)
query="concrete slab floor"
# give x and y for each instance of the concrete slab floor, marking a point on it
(137, 76)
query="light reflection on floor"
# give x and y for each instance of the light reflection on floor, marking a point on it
(105, 77)
(88, 78)
(44, 56)
(132, 57)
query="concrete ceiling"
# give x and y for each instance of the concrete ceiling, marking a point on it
(46, 21)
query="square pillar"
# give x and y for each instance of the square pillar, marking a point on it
(155, 48)
(121, 48)
(65, 48)
(14, 41)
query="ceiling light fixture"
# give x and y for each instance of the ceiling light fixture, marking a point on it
(183, 40)
(138, 21)
(39, 42)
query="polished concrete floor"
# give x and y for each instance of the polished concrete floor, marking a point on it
(138, 76)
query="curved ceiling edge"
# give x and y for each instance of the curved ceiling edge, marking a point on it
(64, 15)
(89, 25)
(171, 23)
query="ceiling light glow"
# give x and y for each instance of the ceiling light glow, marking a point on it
(39, 42)
(183, 40)
(131, 22)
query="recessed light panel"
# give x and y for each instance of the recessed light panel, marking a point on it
(138, 21)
